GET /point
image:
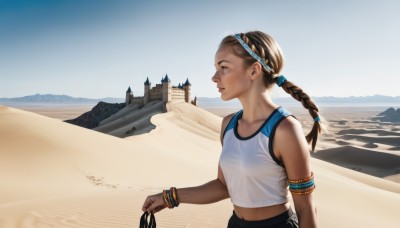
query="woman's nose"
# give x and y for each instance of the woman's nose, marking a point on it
(214, 77)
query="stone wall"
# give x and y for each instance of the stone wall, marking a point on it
(156, 93)
(178, 94)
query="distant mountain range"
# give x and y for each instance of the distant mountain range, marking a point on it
(203, 101)
(352, 100)
(58, 99)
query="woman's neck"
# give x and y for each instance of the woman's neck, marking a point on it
(256, 106)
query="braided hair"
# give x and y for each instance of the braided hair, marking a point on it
(269, 51)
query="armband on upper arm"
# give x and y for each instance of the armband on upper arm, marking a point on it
(303, 186)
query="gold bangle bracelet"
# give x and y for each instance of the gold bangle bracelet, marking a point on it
(174, 195)
(166, 200)
(302, 180)
(303, 192)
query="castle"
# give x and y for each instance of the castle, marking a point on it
(164, 92)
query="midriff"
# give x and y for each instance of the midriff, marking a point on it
(260, 213)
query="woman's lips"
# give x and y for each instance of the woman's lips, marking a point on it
(220, 89)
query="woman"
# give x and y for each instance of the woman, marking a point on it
(263, 147)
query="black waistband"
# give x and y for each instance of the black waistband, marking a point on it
(266, 222)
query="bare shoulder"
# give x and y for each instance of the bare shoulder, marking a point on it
(290, 130)
(289, 126)
(292, 148)
(225, 122)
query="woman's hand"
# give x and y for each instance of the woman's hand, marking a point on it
(154, 203)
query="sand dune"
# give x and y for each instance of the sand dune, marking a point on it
(376, 122)
(127, 110)
(375, 163)
(61, 112)
(354, 131)
(131, 120)
(53, 174)
(393, 141)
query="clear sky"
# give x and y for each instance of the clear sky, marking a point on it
(98, 48)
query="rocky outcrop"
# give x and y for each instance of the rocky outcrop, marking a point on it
(98, 113)
(389, 115)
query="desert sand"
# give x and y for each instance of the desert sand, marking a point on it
(54, 174)
(56, 111)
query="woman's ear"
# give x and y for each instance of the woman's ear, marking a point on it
(256, 70)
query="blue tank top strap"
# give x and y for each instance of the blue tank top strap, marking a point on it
(274, 120)
(233, 121)
(270, 128)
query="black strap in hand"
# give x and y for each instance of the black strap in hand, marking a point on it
(147, 224)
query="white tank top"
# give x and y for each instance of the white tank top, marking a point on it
(253, 175)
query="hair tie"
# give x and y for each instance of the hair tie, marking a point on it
(254, 55)
(317, 119)
(280, 80)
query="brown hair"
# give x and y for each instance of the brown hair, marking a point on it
(268, 49)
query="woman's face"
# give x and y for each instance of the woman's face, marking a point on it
(231, 74)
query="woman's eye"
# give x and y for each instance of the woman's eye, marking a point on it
(224, 67)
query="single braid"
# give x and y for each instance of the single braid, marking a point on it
(298, 94)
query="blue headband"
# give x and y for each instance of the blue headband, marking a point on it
(280, 80)
(254, 55)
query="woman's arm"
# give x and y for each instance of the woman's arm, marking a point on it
(291, 147)
(210, 192)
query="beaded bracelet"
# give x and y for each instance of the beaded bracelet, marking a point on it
(303, 186)
(302, 180)
(303, 192)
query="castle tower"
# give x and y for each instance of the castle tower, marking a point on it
(147, 86)
(129, 96)
(166, 89)
(186, 87)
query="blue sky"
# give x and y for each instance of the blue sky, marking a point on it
(98, 48)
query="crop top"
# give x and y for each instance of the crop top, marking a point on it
(253, 175)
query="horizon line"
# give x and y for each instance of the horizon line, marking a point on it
(288, 96)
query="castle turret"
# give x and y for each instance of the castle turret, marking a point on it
(186, 87)
(166, 89)
(195, 102)
(147, 86)
(129, 96)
